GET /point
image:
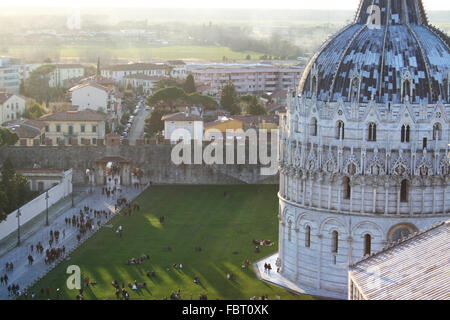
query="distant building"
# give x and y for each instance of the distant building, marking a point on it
(118, 72)
(92, 95)
(417, 268)
(42, 179)
(30, 132)
(11, 106)
(140, 80)
(249, 79)
(174, 123)
(86, 127)
(267, 122)
(217, 130)
(63, 73)
(178, 69)
(9, 75)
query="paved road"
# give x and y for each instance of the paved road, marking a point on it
(137, 129)
(25, 275)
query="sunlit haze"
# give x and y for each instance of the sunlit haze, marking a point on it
(261, 4)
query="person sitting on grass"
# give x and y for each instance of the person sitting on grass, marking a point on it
(196, 280)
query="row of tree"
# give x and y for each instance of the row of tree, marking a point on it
(14, 190)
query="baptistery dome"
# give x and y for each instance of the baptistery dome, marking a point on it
(364, 144)
(398, 55)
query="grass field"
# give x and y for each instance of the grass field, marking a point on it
(138, 53)
(194, 216)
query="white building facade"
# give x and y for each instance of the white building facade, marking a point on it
(364, 146)
(9, 74)
(97, 97)
(249, 79)
(118, 72)
(183, 126)
(65, 72)
(11, 106)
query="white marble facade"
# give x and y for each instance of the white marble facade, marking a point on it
(364, 147)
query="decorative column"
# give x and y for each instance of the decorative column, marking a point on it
(363, 185)
(398, 199)
(319, 262)
(297, 255)
(386, 197)
(374, 202)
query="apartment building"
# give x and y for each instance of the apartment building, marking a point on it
(63, 73)
(118, 72)
(249, 79)
(85, 127)
(140, 80)
(9, 74)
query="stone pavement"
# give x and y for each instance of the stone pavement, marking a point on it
(277, 279)
(25, 275)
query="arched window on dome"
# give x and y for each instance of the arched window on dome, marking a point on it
(372, 132)
(314, 86)
(405, 134)
(404, 189)
(437, 132)
(347, 188)
(308, 237)
(354, 90)
(335, 242)
(340, 130)
(313, 127)
(367, 244)
(406, 90)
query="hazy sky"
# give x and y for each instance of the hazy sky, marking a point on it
(266, 4)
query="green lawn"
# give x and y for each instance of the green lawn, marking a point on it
(195, 216)
(133, 52)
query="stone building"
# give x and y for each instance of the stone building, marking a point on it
(364, 144)
(416, 268)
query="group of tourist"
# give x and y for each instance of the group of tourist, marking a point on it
(14, 290)
(267, 268)
(4, 280)
(53, 254)
(9, 266)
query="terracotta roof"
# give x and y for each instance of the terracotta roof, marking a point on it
(32, 123)
(416, 268)
(176, 62)
(142, 76)
(181, 116)
(217, 122)
(24, 128)
(135, 67)
(84, 115)
(5, 96)
(251, 119)
(68, 66)
(89, 84)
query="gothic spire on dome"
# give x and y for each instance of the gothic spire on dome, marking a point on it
(392, 12)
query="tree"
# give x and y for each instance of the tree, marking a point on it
(154, 123)
(33, 110)
(229, 98)
(14, 190)
(189, 84)
(166, 83)
(7, 137)
(22, 87)
(200, 100)
(252, 105)
(37, 86)
(168, 96)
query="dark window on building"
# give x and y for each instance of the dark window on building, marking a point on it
(372, 132)
(404, 191)
(347, 188)
(340, 133)
(314, 127)
(437, 132)
(405, 134)
(308, 237)
(335, 242)
(367, 244)
(425, 141)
